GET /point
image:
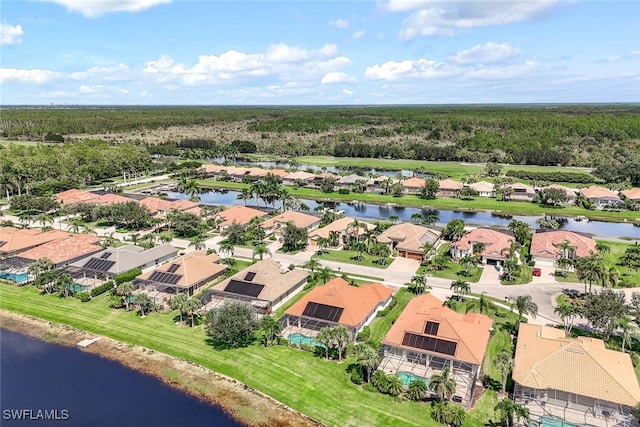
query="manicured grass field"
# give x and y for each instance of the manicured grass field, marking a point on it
(612, 258)
(349, 258)
(452, 270)
(316, 387)
(381, 325)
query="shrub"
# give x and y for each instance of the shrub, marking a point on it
(127, 276)
(370, 387)
(99, 290)
(343, 191)
(356, 376)
(365, 334)
(83, 296)
(380, 381)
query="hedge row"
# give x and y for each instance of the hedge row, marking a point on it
(574, 177)
(127, 276)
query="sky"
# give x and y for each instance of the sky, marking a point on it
(183, 52)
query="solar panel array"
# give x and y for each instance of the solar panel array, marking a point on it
(250, 275)
(323, 311)
(436, 345)
(244, 288)
(163, 277)
(105, 255)
(172, 268)
(431, 328)
(99, 264)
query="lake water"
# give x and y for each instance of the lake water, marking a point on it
(372, 212)
(76, 388)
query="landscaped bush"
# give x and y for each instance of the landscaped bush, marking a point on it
(99, 290)
(370, 387)
(356, 376)
(83, 296)
(127, 276)
(365, 334)
(343, 191)
(388, 308)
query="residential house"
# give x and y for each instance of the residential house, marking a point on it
(266, 285)
(408, 239)
(299, 219)
(521, 192)
(569, 192)
(237, 214)
(547, 245)
(64, 250)
(14, 241)
(601, 196)
(493, 245)
(429, 337)
(484, 188)
(349, 181)
(578, 381)
(336, 303)
(304, 178)
(449, 188)
(75, 196)
(161, 207)
(343, 227)
(632, 194)
(413, 185)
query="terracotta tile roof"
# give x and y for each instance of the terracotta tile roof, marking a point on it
(18, 239)
(494, 241)
(470, 331)
(156, 204)
(409, 236)
(111, 198)
(239, 214)
(214, 168)
(413, 183)
(595, 192)
(341, 225)
(299, 219)
(278, 172)
(521, 188)
(193, 268)
(65, 249)
(632, 194)
(72, 196)
(186, 206)
(545, 244)
(304, 176)
(570, 192)
(357, 302)
(327, 175)
(545, 359)
(257, 172)
(277, 280)
(352, 179)
(483, 187)
(449, 184)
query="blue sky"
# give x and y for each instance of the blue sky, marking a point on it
(318, 52)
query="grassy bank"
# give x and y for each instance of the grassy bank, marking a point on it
(306, 383)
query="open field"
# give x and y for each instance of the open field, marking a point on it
(349, 258)
(316, 387)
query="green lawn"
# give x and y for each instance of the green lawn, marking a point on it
(308, 384)
(349, 258)
(611, 259)
(381, 325)
(452, 270)
(524, 276)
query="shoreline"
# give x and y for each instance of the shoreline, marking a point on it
(243, 403)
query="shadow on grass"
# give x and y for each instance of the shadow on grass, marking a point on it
(224, 345)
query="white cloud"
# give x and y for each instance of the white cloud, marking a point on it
(445, 18)
(35, 76)
(10, 34)
(339, 23)
(116, 72)
(346, 92)
(614, 58)
(336, 77)
(421, 68)
(486, 53)
(503, 72)
(94, 8)
(358, 35)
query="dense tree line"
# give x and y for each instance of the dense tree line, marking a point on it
(575, 177)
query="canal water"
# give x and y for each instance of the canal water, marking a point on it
(50, 385)
(606, 230)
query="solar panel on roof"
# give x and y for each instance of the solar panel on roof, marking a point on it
(323, 311)
(163, 277)
(99, 264)
(250, 275)
(172, 268)
(105, 255)
(243, 288)
(431, 328)
(436, 345)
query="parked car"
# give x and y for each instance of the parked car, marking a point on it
(537, 272)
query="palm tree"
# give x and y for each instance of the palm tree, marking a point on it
(419, 283)
(44, 219)
(603, 248)
(525, 306)
(360, 249)
(568, 313)
(416, 390)
(178, 302)
(461, 288)
(227, 247)
(40, 266)
(341, 339)
(566, 249)
(191, 307)
(393, 219)
(261, 250)
(467, 262)
(124, 291)
(64, 282)
(482, 304)
(354, 228)
(192, 189)
(611, 277)
(245, 194)
(504, 362)
(74, 225)
(629, 331)
(324, 275)
(509, 410)
(427, 250)
(417, 218)
(271, 328)
(442, 385)
(323, 242)
(384, 252)
(590, 269)
(367, 357)
(144, 302)
(198, 242)
(395, 387)
(312, 264)
(325, 337)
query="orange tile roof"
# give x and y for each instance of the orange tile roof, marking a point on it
(110, 198)
(72, 196)
(632, 194)
(214, 168)
(340, 225)
(409, 236)
(193, 268)
(239, 214)
(305, 176)
(545, 359)
(470, 331)
(413, 183)
(357, 302)
(278, 172)
(257, 172)
(18, 239)
(494, 241)
(156, 204)
(545, 244)
(449, 184)
(595, 192)
(299, 219)
(65, 249)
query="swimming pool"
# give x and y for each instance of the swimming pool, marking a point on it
(555, 422)
(407, 377)
(298, 339)
(14, 277)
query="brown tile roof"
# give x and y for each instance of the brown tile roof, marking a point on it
(483, 187)
(239, 214)
(409, 236)
(470, 331)
(413, 183)
(72, 196)
(341, 225)
(357, 302)
(521, 188)
(18, 239)
(632, 194)
(214, 168)
(193, 268)
(299, 219)
(65, 249)
(545, 359)
(570, 192)
(277, 280)
(545, 244)
(494, 241)
(595, 192)
(156, 204)
(449, 184)
(110, 198)
(257, 172)
(305, 176)
(278, 172)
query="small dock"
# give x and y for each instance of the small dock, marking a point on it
(87, 342)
